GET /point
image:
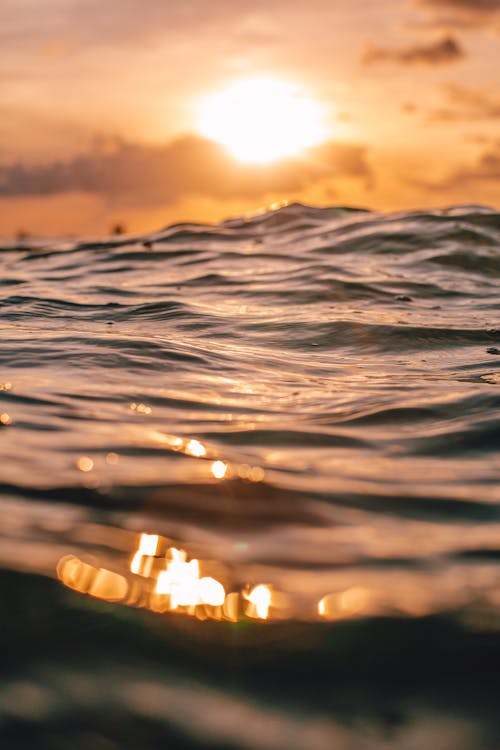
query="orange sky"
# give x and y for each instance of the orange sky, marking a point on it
(99, 107)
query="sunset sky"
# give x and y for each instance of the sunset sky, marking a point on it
(101, 107)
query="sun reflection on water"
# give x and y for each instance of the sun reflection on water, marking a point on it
(353, 602)
(85, 464)
(219, 469)
(260, 601)
(196, 449)
(142, 560)
(164, 580)
(88, 579)
(140, 408)
(162, 577)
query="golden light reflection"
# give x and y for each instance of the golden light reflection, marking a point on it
(140, 408)
(179, 581)
(88, 579)
(171, 441)
(165, 580)
(219, 469)
(190, 447)
(5, 419)
(108, 585)
(5, 386)
(195, 448)
(142, 560)
(251, 473)
(231, 606)
(140, 565)
(260, 601)
(148, 544)
(256, 474)
(178, 585)
(345, 604)
(85, 464)
(211, 592)
(492, 378)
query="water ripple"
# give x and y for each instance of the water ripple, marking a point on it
(338, 364)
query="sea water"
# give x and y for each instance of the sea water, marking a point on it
(300, 406)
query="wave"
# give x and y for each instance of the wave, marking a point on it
(305, 399)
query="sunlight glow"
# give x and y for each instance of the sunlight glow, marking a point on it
(166, 580)
(182, 583)
(261, 120)
(195, 448)
(142, 560)
(260, 597)
(140, 408)
(349, 603)
(84, 463)
(219, 469)
(148, 544)
(211, 591)
(88, 579)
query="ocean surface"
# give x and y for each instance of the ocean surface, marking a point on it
(307, 402)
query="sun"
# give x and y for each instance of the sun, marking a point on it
(260, 120)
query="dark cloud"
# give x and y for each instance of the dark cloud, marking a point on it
(441, 52)
(470, 6)
(467, 103)
(455, 14)
(487, 167)
(484, 170)
(155, 175)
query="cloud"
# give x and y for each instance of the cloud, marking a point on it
(467, 103)
(454, 14)
(123, 22)
(97, 21)
(441, 52)
(468, 6)
(484, 170)
(158, 175)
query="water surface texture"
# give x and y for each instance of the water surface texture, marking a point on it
(306, 400)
